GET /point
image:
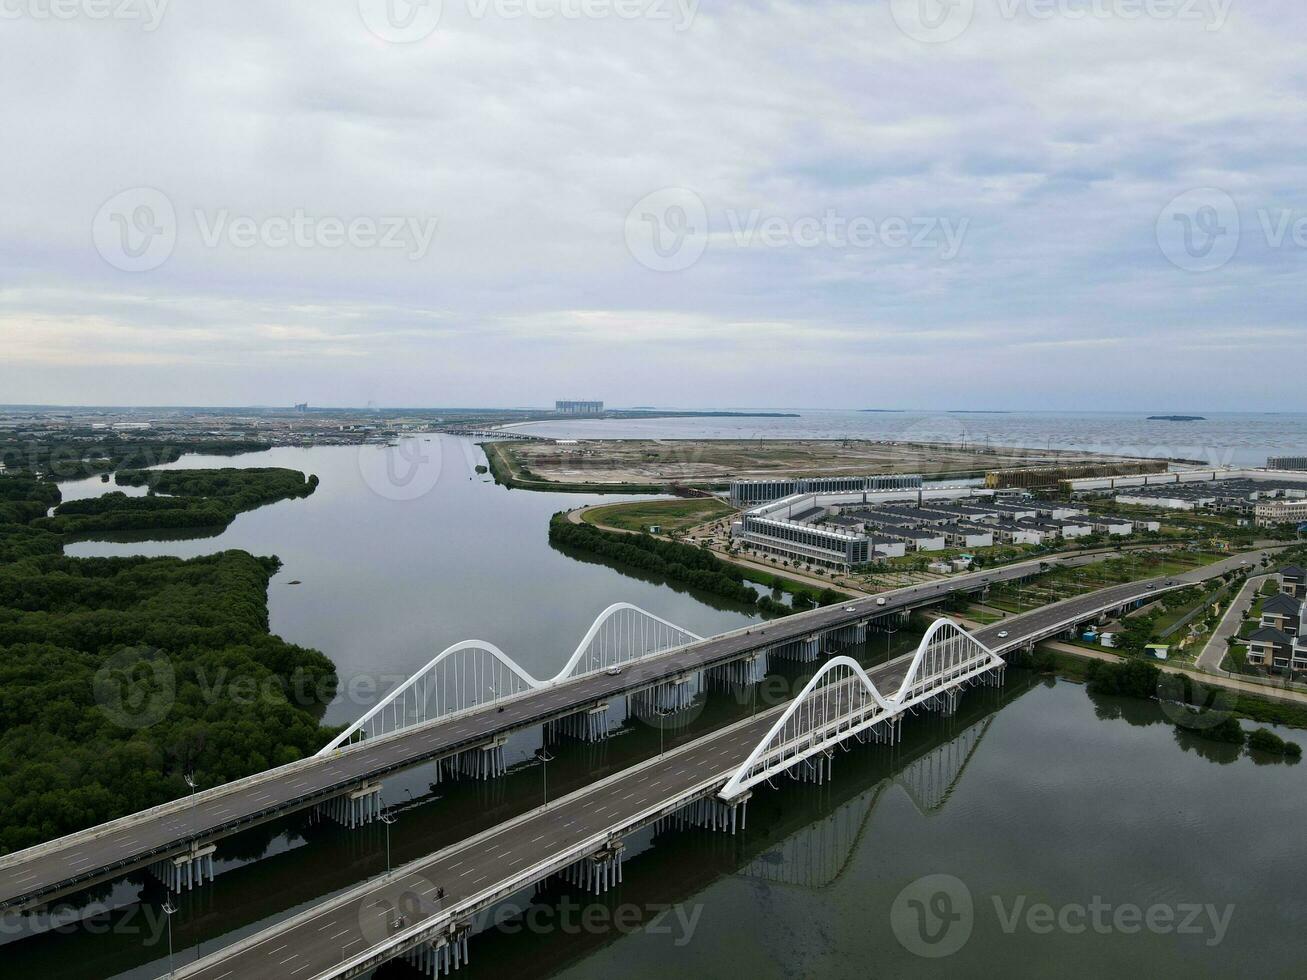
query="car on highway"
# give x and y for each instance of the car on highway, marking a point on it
(1002, 634)
(881, 601)
(613, 671)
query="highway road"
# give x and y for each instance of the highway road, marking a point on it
(41, 873)
(477, 871)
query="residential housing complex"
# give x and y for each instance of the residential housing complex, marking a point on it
(1280, 642)
(844, 530)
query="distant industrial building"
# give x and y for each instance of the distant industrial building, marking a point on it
(1272, 512)
(845, 529)
(1260, 496)
(1042, 477)
(579, 408)
(1287, 463)
(749, 493)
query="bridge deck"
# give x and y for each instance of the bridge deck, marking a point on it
(40, 873)
(473, 873)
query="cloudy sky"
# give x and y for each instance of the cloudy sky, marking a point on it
(1079, 204)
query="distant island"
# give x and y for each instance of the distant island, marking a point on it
(1176, 418)
(887, 411)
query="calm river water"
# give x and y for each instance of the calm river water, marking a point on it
(1040, 832)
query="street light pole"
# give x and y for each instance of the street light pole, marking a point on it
(543, 755)
(387, 819)
(168, 910)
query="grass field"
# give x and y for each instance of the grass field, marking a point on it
(670, 515)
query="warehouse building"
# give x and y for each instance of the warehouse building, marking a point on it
(749, 493)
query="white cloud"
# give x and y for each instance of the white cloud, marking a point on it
(1059, 141)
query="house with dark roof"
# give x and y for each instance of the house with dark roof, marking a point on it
(1271, 649)
(1294, 579)
(1282, 612)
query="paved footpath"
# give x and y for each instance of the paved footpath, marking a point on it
(1217, 647)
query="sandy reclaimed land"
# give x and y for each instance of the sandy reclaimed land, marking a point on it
(720, 461)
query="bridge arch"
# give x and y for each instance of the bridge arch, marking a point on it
(840, 696)
(474, 673)
(622, 634)
(841, 700)
(946, 652)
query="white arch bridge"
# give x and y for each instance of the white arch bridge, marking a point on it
(474, 673)
(841, 702)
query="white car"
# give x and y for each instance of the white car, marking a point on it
(613, 671)
(1002, 634)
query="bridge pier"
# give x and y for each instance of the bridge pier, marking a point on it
(945, 702)
(815, 769)
(675, 694)
(805, 650)
(186, 871)
(587, 726)
(485, 762)
(358, 807)
(441, 956)
(750, 670)
(709, 813)
(598, 872)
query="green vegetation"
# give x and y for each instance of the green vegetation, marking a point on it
(1226, 730)
(119, 676)
(79, 453)
(1126, 678)
(685, 564)
(1265, 740)
(179, 499)
(673, 516)
(1137, 678)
